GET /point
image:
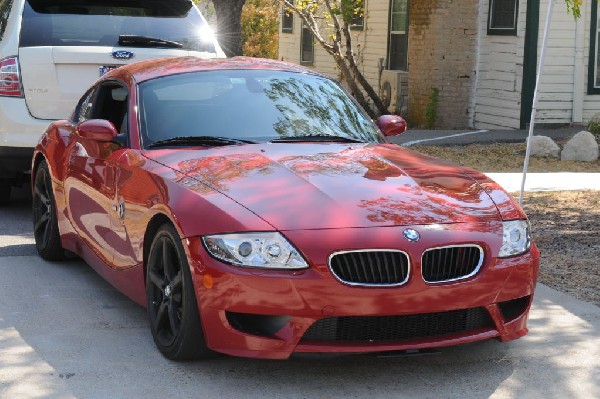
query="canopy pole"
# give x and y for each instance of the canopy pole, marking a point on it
(535, 98)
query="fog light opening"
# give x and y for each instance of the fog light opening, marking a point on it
(255, 324)
(515, 308)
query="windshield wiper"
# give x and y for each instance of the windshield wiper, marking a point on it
(206, 141)
(316, 138)
(147, 41)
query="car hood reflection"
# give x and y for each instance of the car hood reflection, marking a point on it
(314, 186)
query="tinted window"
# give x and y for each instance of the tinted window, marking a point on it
(5, 6)
(250, 104)
(68, 23)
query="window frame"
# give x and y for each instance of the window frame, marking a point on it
(304, 29)
(491, 31)
(391, 32)
(593, 64)
(287, 16)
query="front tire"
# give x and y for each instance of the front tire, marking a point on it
(45, 222)
(171, 301)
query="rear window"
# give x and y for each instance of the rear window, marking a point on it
(100, 23)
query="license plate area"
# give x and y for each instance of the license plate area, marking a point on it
(104, 69)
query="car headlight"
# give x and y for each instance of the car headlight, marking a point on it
(261, 250)
(516, 238)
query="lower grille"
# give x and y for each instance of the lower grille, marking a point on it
(397, 328)
(451, 263)
(370, 268)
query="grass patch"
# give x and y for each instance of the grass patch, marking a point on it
(503, 158)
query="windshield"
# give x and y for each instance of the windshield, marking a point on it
(68, 22)
(252, 105)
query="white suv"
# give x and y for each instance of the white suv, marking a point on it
(52, 51)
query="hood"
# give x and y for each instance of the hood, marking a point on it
(296, 186)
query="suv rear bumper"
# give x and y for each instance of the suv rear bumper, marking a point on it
(19, 134)
(15, 161)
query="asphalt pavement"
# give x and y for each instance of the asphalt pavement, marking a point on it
(66, 333)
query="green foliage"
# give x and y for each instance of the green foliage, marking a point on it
(260, 28)
(431, 108)
(594, 127)
(574, 7)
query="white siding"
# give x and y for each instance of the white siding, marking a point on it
(368, 52)
(556, 92)
(499, 74)
(501, 70)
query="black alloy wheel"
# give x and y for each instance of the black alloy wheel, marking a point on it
(45, 223)
(172, 306)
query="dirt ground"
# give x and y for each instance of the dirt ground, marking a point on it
(565, 224)
(566, 229)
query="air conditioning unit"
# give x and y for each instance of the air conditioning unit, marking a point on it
(393, 90)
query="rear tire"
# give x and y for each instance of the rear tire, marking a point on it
(5, 191)
(172, 307)
(45, 222)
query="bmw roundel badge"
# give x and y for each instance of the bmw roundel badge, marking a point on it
(122, 55)
(412, 235)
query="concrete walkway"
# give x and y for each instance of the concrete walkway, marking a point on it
(511, 182)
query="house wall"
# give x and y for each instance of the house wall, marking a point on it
(480, 76)
(499, 74)
(368, 52)
(564, 80)
(442, 54)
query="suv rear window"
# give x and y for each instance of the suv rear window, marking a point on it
(100, 23)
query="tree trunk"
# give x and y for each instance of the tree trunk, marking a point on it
(380, 108)
(229, 21)
(350, 80)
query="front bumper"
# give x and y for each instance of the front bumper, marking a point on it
(503, 289)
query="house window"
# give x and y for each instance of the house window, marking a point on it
(502, 18)
(594, 64)
(398, 39)
(287, 21)
(358, 22)
(307, 46)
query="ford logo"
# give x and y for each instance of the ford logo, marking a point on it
(122, 55)
(412, 235)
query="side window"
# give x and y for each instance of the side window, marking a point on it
(111, 104)
(84, 108)
(5, 7)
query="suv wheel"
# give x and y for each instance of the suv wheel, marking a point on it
(5, 190)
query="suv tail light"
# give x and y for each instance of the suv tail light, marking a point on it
(10, 79)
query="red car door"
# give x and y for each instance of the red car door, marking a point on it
(90, 181)
(90, 193)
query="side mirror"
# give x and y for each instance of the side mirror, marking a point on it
(99, 130)
(391, 125)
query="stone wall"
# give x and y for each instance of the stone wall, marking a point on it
(442, 48)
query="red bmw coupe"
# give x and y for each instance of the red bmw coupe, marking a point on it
(256, 210)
